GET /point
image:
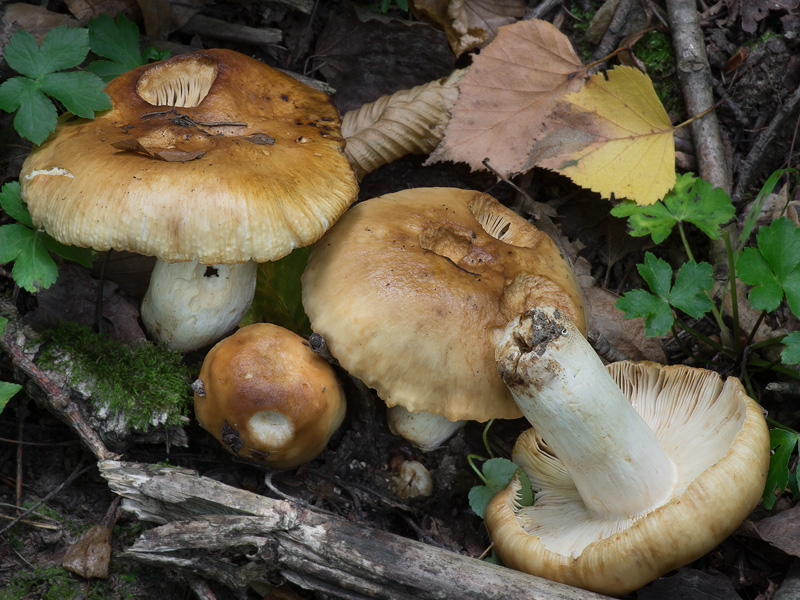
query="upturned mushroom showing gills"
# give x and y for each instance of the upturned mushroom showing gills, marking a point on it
(413, 290)
(209, 161)
(267, 397)
(637, 469)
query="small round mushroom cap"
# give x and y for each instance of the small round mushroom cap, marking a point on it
(210, 156)
(267, 397)
(719, 442)
(413, 290)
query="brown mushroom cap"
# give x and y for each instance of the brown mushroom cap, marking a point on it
(719, 442)
(267, 397)
(248, 166)
(413, 290)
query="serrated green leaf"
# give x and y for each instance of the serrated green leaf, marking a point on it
(116, 40)
(34, 269)
(63, 48)
(790, 355)
(783, 444)
(753, 269)
(36, 116)
(479, 497)
(692, 281)
(22, 54)
(657, 274)
(12, 92)
(81, 93)
(82, 256)
(653, 220)
(106, 69)
(153, 53)
(7, 391)
(658, 317)
(11, 202)
(779, 244)
(278, 293)
(692, 200)
(791, 287)
(13, 238)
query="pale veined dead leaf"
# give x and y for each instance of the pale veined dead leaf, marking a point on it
(509, 91)
(406, 122)
(468, 24)
(612, 136)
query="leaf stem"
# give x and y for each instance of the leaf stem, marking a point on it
(714, 311)
(486, 438)
(701, 336)
(737, 347)
(470, 459)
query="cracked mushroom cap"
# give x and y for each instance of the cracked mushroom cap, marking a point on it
(412, 291)
(267, 397)
(211, 155)
(719, 442)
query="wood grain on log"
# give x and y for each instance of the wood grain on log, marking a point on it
(245, 540)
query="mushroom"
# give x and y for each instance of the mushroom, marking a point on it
(267, 397)
(412, 292)
(637, 469)
(209, 161)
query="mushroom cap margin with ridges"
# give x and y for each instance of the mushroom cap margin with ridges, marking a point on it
(246, 198)
(412, 291)
(689, 525)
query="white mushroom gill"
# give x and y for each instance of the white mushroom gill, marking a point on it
(177, 83)
(603, 465)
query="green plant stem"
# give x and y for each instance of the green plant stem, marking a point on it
(470, 459)
(687, 351)
(778, 425)
(737, 348)
(486, 438)
(714, 310)
(701, 336)
(755, 328)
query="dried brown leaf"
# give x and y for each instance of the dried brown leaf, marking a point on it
(468, 24)
(406, 122)
(167, 154)
(90, 555)
(509, 91)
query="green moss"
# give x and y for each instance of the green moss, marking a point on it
(583, 17)
(655, 51)
(54, 583)
(137, 382)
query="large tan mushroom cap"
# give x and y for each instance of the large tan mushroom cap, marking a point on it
(413, 290)
(267, 397)
(248, 166)
(719, 442)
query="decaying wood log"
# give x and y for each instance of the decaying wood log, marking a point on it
(102, 431)
(245, 540)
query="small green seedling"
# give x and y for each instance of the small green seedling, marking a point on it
(496, 474)
(7, 389)
(29, 248)
(41, 67)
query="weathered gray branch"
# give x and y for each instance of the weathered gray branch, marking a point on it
(243, 540)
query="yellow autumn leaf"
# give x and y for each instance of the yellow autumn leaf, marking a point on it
(612, 136)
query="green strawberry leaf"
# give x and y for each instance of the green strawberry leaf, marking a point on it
(278, 297)
(773, 268)
(758, 204)
(82, 256)
(12, 204)
(692, 200)
(790, 355)
(62, 48)
(81, 93)
(783, 444)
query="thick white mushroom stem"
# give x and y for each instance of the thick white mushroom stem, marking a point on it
(424, 429)
(189, 305)
(618, 466)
